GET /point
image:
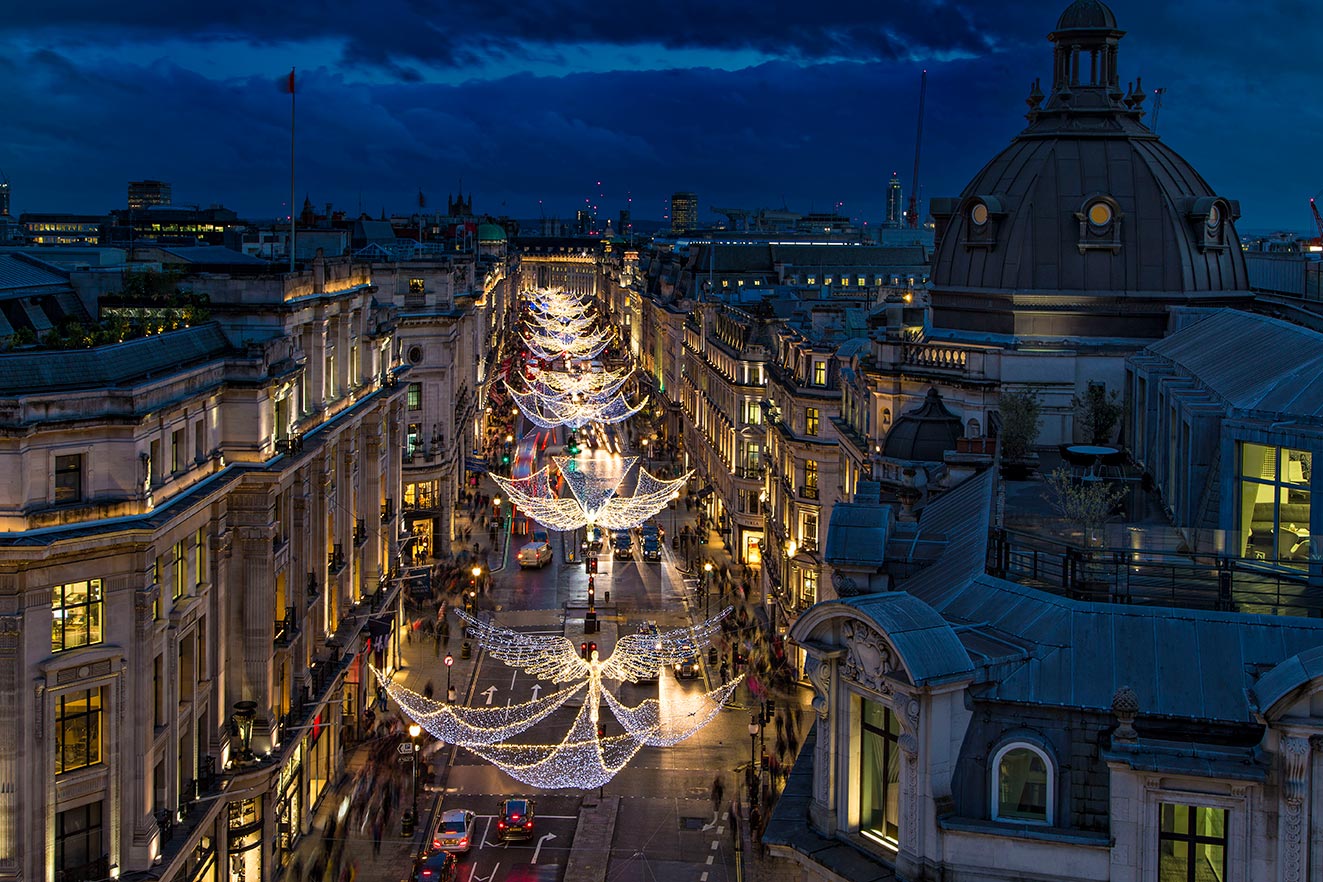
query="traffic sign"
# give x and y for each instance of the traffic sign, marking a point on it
(406, 748)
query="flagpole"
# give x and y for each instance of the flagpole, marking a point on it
(291, 169)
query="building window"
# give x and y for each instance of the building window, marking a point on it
(413, 438)
(200, 440)
(180, 570)
(1192, 843)
(415, 396)
(417, 286)
(811, 420)
(808, 533)
(76, 609)
(819, 373)
(80, 851)
(811, 473)
(177, 450)
(1022, 784)
(808, 589)
(879, 773)
(200, 556)
(68, 478)
(77, 730)
(1275, 504)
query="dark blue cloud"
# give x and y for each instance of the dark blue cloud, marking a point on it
(826, 115)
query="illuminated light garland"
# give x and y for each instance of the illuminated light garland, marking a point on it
(536, 498)
(603, 384)
(460, 724)
(558, 325)
(554, 350)
(549, 413)
(582, 759)
(568, 342)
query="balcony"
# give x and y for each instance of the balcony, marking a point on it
(286, 629)
(336, 559)
(360, 532)
(808, 491)
(749, 473)
(291, 445)
(388, 511)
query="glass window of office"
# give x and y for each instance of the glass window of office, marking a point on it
(80, 851)
(1022, 785)
(68, 478)
(1192, 843)
(811, 473)
(812, 418)
(76, 609)
(77, 730)
(879, 774)
(1274, 507)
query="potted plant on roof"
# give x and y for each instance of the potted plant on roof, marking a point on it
(1021, 416)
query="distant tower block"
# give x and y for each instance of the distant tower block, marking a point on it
(684, 211)
(145, 193)
(895, 204)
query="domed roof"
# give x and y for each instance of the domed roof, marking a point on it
(1086, 14)
(1087, 225)
(925, 434)
(490, 233)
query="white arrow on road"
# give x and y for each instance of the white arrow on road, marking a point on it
(537, 687)
(490, 691)
(537, 850)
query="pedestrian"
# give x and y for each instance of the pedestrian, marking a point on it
(718, 792)
(378, 830)
(725, 672)
(428, 689)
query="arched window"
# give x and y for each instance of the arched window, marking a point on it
(1023, 784)
(973, 429)
(886, 417)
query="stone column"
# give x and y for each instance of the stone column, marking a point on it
(257, 614)
(1293, 820)
(822, 808)
(11, 728)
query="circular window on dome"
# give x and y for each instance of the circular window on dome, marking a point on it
(415, 355)
(1100, 214)
(1214, 217)
(979, 214)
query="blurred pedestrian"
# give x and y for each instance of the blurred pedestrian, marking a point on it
(718, 792)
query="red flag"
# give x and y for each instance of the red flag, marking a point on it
(287, 83)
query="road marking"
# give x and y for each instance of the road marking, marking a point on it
(486, 830)
(537, 687)
(703, 878)
(709, 860)
(474, 877)
(538, 850)
(714, 845)
(490, 692)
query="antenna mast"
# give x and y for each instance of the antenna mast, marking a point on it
(912, 216)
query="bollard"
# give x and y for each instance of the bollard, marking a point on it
(466, 651)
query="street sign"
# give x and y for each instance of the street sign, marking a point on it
(404, 759)
(406, 748)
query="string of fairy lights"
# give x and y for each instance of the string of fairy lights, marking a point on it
(559, 329)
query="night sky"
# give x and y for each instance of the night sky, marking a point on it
(530, 105)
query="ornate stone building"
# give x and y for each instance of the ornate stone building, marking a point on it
(198, 530)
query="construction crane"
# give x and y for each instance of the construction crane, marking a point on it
(1318, 219)
(1157, 106)
(912, 215)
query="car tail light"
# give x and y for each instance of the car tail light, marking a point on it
(436, 843)
(500, 825)
(463, 843)
(528, 825)
(514, 817)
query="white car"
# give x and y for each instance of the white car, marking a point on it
(454, 831)
(534, 554)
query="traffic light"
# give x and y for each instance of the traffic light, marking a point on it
(769, 710)
(601, 730)
(505, 460)
(583, 650)
(591, 564)
(592, 647)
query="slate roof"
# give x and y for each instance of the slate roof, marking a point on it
(18, 272)
(212, 254)
(857, 535)
(1250, 361)
(929, 646)
(40, 372)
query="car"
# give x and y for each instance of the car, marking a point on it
(593, 539)
(686, 669)
(515, 819)
(651, 549)
(453, 831)
(650, 629)
(541, 536)
(534, 554)
(441, 866)
(622, 545)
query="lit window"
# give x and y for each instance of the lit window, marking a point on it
(812, 280)
(808, 531)
(1275, 506)
(819, 373)
(879, 773)
(1100, 214)
(76, 609)
(417, 286)
(979, 214)
(845, 281)
(180, 569)
(1192, 843)
(811, 473)
(77, 730)
(415, 396)
(1022, 784)
(68, 478)
(811, 420)
(725, 283)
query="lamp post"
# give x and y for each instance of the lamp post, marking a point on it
(476, 572)
(414, 731)
(496, 503)
(450, 690)
(707, 589)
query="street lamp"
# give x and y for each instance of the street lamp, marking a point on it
(414, 731)
(450, 690)
(707, 589)
(473, 583)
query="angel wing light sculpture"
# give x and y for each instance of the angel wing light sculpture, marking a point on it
(583, 759)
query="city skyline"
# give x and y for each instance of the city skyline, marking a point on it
(529, 109)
